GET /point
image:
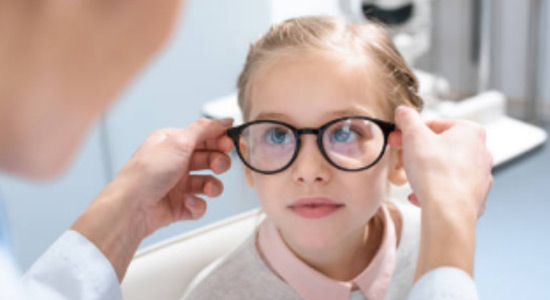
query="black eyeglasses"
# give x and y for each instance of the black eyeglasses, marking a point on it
(350, 144)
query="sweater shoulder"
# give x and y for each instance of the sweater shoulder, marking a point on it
(242, 274)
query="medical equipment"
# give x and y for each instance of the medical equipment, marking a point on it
(408, 21)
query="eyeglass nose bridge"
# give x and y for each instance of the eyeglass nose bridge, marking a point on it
(302, 131)
(314, 131)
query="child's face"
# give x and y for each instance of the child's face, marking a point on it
(309, 92)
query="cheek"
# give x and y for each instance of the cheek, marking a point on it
(370, 187)
(269, 190)
(370, 192)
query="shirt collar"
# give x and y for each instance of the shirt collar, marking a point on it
(310, 284)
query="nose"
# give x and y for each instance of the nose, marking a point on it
(310, 166)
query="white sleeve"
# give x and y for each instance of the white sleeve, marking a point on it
(446, 283)
(72, 268)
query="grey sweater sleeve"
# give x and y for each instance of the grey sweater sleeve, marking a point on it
(444, 283)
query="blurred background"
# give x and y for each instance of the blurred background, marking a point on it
(486, 60)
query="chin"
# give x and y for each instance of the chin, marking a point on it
(39, 169)
(48, 170)
(44, 164)
(312, 237)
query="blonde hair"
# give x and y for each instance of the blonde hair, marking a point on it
(335, 36)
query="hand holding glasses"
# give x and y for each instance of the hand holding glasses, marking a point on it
(351, 144)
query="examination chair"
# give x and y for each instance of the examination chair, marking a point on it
(163, 271)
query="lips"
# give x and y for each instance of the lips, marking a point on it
(314, 208)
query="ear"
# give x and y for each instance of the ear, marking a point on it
(249, 178)
(397, 175)
(247, 171)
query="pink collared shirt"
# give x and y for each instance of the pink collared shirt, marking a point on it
(310, 284)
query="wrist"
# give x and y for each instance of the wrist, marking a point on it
(457, 211)
(448, 236)
(113, 226)
(451, 202)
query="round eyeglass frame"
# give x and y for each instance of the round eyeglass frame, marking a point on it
(235, 132)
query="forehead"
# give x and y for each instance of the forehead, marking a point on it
(310, 89)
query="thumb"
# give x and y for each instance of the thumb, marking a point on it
(408, 121)
(204, 129)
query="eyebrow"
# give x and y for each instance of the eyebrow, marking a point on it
(331, 114)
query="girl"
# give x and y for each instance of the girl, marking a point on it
(318, 97)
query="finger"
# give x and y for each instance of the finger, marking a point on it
(216, 161)
(439, 126)
(212, 143)
(221, 143)
(412, 198)
(194, 208)
(408, 121)
(225, 144)
(395, 139)
(209, 144)
(204, 184)
(203, 130)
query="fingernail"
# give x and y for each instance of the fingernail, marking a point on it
(215, 189)
(191, 201)
(226, 121)
(223, 166)
(401, 108)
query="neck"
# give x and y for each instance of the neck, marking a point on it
(346, 258)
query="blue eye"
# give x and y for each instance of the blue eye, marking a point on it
(343, 135)
(278, 136)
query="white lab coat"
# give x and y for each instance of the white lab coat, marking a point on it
(73, 268)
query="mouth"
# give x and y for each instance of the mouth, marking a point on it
(315, 208)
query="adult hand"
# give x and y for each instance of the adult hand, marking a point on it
(443, 156)
(155, 188)
(449, 169)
